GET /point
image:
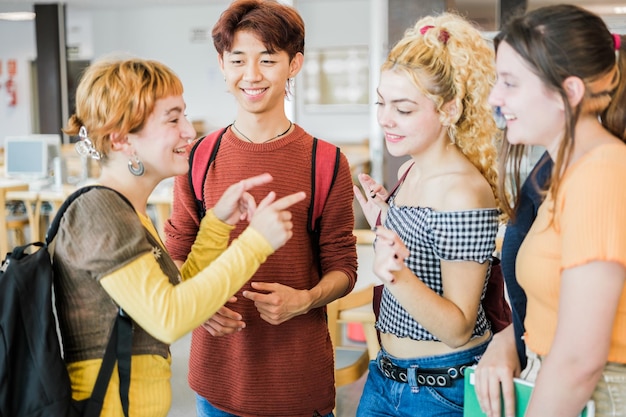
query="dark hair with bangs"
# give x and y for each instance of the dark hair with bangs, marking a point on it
(278, 26)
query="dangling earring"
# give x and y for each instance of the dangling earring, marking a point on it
(289, 86)
(139, 170)
(84, 147)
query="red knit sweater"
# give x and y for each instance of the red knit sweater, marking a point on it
(267, 370)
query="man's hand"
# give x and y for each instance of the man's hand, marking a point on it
(225, 321)
(278, 303)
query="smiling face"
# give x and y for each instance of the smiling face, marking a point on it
(161, 144)
(409, 119)
(534, 115)
(256, 77)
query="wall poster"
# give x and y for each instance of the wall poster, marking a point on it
(336, 79)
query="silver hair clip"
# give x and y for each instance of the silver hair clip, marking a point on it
(84, 147)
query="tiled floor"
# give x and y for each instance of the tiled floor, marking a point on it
(183, 399)
(348, 398)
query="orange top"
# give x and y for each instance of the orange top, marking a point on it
(589, 225)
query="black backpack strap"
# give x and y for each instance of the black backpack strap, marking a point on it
(120, 342)
(124, 351)
(119, 348)
(199, 165)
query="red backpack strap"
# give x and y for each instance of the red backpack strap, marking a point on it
(199, 165)
(325, 165)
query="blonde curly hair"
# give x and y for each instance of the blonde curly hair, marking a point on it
(448, 60)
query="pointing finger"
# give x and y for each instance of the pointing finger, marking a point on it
(288, 201)
(255, 181)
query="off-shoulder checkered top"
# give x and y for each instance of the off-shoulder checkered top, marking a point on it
(431, 236)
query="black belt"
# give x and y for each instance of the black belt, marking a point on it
(432, 377)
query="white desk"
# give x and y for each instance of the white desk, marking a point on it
(161, 201)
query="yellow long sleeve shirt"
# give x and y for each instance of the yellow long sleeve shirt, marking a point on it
(164, 310)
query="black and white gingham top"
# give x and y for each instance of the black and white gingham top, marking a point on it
(431, 236)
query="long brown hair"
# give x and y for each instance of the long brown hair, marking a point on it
(557, 42)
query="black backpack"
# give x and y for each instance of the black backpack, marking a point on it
(33, 374)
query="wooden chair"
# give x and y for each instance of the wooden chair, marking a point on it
(17, 224)
(365, 313)
(351, 362)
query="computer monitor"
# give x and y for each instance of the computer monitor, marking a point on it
(29, 157)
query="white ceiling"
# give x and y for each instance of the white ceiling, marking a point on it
(107, 4)
(483, 11)
(603, 6)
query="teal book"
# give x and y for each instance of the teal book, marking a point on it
(523, 389)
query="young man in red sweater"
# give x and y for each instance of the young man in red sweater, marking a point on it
(267, 352)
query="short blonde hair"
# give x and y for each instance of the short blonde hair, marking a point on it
(448, 60)
(118, 95)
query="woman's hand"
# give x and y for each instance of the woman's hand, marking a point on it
(389, 254)
(273, 220)
(374, 201)
(495, 372)
(236, 203)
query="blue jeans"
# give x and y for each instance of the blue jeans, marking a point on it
(383, 396)
(205, 409)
